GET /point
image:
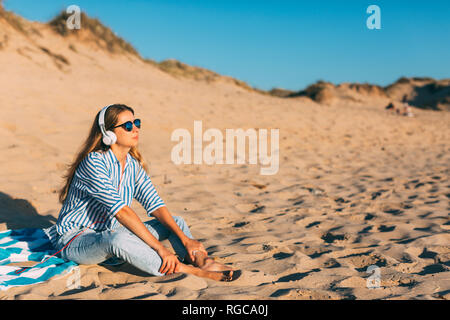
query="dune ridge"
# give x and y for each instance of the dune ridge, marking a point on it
(420, 92)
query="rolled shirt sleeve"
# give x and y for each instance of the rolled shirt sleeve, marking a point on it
(145, 192)
(94, 179)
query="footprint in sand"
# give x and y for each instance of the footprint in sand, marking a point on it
(378, 193)
(425, 214)
(312, 224)
(432, 202)
(363, 260)
(296, 276)
(240, 224)
(314, 251)
(249, 207)
(330, 238)
(384, 228)
(282, 255)
(331, 263)
(341, 200)
(258, 209)
(394, 212)
(434, 268)
(365, 230)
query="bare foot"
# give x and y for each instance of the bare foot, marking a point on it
(206, 263)
(211, 265)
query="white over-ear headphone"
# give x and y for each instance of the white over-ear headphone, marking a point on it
(109, 137)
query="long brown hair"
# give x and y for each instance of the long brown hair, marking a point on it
(94, 143)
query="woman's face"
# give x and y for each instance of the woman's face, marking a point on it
(126, 138)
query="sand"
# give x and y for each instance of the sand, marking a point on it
(356, 186)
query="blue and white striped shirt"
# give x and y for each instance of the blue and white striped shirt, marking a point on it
(97, 192)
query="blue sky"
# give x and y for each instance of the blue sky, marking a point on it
(277, 43)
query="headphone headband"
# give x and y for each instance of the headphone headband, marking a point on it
(108, 136)
(101, 119)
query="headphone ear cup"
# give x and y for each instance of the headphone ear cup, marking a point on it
(110, 138)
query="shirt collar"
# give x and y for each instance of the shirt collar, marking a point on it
(113, 159)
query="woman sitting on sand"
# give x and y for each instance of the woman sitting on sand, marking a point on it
(96, 222)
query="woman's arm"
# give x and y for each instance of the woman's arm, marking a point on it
(128, 218)
(163, 215)
(146, 194)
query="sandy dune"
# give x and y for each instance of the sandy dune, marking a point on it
(356, 186)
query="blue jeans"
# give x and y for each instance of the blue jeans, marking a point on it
(93, 247)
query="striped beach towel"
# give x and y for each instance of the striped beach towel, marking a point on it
(21, 248)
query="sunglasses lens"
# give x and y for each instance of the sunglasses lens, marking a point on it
(128, 125)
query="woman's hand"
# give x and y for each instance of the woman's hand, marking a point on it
(128, 218)
(169, 261)
(191, 246)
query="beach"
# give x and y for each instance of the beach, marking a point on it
(356, 186)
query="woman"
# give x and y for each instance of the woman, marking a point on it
(96, 222)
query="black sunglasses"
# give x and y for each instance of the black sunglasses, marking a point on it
(129, 125)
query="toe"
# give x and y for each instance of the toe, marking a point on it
(227, 275)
